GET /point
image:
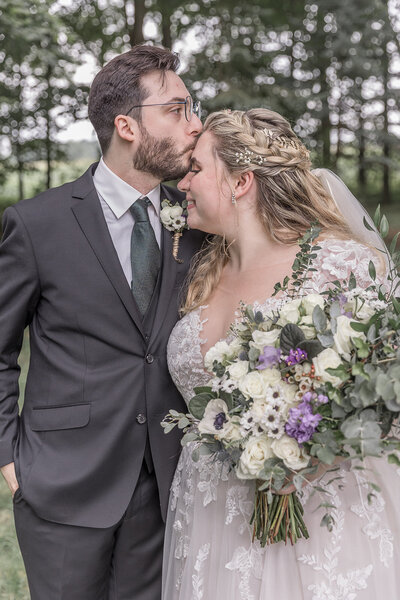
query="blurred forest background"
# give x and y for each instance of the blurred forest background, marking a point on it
(332, 67)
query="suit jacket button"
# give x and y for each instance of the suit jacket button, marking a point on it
(141, 419)
(149, 358)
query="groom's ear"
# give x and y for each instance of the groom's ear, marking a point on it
(126, 127)
(243, 185)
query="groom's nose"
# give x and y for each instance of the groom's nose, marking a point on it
(195, 125)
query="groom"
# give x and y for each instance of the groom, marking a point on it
(90, 270)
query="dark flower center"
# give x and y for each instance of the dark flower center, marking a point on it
(219, 420)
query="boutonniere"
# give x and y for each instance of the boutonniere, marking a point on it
(174, 218)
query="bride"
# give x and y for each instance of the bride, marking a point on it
(251, 186)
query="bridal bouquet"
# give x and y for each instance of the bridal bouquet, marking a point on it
(316, 380)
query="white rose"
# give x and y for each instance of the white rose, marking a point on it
(238, 369)
(215, 420)
(287, 449)
(217, 352)
(165, 215)
(255, 453)
(362, 311)
(327, 359)
(343, 335)
(307, 327)
(311, 301)
(289, 392)
(271, 377)
(233, 432)
(289, 313)
(252, 385)
(264, 338)
(235, 347)
(176, 211)
(258, 409)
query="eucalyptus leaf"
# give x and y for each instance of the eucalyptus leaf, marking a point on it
(319, 319)
(384, 226)
(367, 225)
(312, 347)
(372, 270)
(290, 338)
(377, 215)
(198, 403)
(326, 339)
(394, 459)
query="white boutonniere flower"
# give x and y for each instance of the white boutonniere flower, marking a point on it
(174, 218)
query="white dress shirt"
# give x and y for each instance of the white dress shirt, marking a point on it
(116, 197)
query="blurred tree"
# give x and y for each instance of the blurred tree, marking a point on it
(39, 97)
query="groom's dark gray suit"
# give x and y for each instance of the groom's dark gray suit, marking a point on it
(98, 384)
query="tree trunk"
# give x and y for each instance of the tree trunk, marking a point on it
(136, 30)
(386, 195)
(338, 133)
(48, 142)
(20, 169)
(362, 174)
(166, 29)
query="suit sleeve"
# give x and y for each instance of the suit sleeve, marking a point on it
(19, 294)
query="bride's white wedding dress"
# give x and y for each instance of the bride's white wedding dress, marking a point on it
(209, 554)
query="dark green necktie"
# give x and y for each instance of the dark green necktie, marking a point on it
(145, 255)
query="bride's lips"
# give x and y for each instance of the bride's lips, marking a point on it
(190, 203)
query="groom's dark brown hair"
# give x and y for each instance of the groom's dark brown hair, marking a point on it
(117, 87)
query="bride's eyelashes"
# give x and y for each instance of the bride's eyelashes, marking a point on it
(194, 171)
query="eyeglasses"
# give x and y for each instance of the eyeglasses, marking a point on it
(191, 108)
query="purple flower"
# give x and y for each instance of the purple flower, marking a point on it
(342, 301)
(322, 399)
(308, 396)
(302, 423)
(269, 357)
(296, 356)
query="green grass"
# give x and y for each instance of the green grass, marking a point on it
(13, 584)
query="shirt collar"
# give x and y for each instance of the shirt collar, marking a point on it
(118, 194)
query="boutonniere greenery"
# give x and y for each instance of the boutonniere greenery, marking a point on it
(174, 218)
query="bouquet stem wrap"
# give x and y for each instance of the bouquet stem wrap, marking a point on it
(278, 520)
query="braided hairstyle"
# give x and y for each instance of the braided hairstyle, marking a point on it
(289, 196)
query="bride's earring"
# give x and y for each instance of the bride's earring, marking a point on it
(233, 198)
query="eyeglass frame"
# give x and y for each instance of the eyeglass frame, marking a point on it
(196, 107)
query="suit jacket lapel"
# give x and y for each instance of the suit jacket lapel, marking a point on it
(170, 269)
(91, 220)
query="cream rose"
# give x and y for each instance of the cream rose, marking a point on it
(166, 216)
(233, 432)
(362, 311)
(327, 359)
(264, 338)
(311, 301)
(255, 453)
(307, 327)
(252, 385)
(271, 377)
(238, 369)
(175, 211)
(217, 352)
(289, 313)
(343, 335)
(287, 449)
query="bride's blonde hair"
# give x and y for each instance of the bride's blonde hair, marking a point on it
(289, 196)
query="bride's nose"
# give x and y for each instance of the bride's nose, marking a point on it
(184, 184)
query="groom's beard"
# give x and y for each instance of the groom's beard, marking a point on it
(160, 158)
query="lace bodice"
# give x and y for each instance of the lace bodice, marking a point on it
(335, 261)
